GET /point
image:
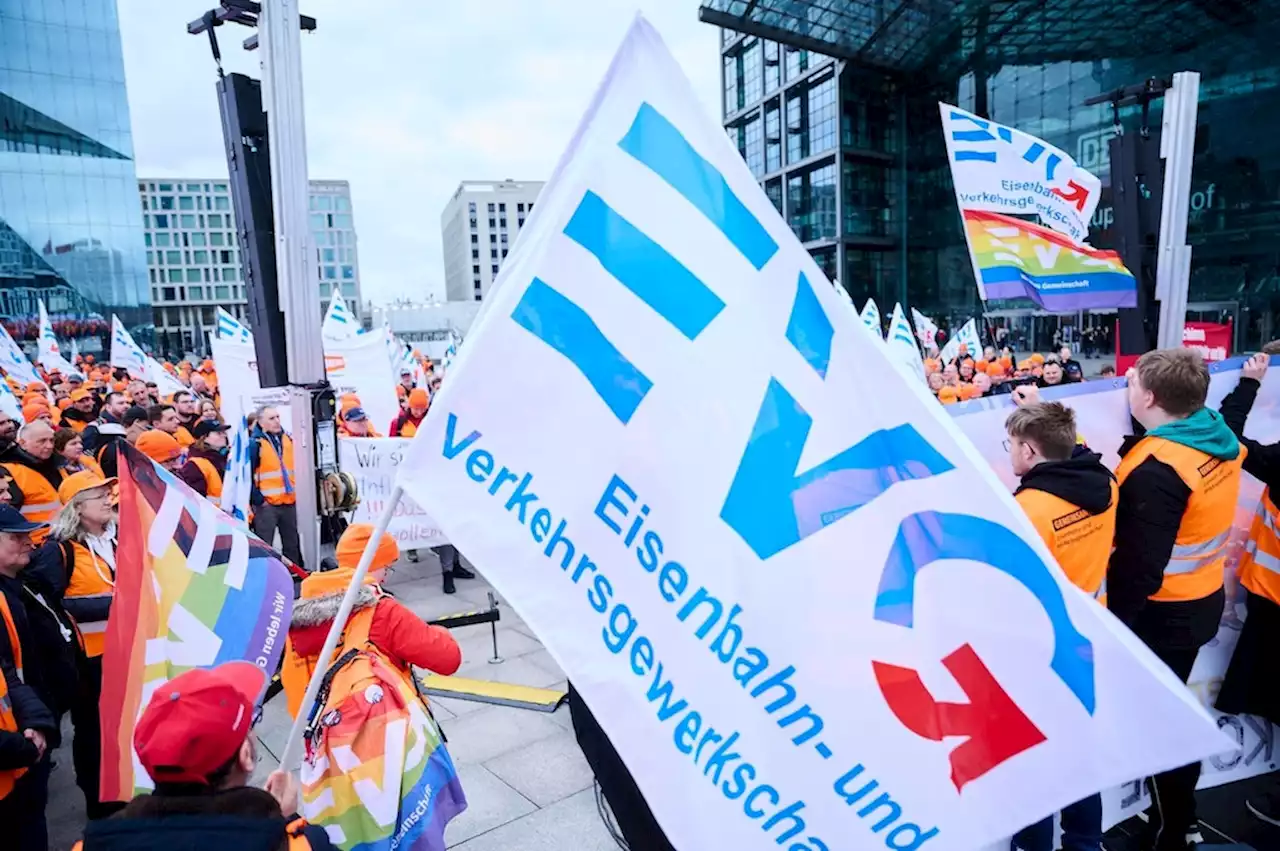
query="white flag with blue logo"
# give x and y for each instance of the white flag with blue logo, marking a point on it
(9, 403)
(14, 361)
(968, 335)
(871, 316)
(452, 351)
(339, 322)
(125, 352)
(901, 344)
(230, 328)
(237, 483)
(47, 351)
(926, 329)
(801, 605)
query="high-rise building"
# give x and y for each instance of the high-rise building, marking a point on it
(847, 141)
(193, 255)
(479, 225)
(70, 226)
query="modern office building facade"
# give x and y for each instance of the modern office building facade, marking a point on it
(850, 147)
(71, 231)
(478, 227)
(193, 255)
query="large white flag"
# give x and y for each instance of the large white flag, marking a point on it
(1003, 170)
(230, 328)
(339, 323)
(125, 352)
(903, 348)
(164, 380)
(680, 437)
(360, 365)
(9, 403)
(14, 361)
(926, 329)
(871, 316)
(47, 352)
(968, 335)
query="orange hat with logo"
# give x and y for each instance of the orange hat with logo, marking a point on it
(77, 395)
(159, 446)
(82, 481)
(418, 398)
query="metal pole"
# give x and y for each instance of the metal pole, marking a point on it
(292, 754)
(1177, 147)
(281, 41)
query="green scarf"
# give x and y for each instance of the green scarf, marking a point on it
(1205, 430)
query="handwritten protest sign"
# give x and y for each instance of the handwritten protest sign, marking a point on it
(373, 463)
(782, 607)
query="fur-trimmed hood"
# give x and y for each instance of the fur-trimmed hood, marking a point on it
(321, 610)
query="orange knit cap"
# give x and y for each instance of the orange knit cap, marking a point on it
(930, 366)
(995, 370)
(1007, 363)
(353, 541)
(159, 446)
(1037, 359)
(418, 398)
(32, 412)
(947, 395)
(349, 401)
(968, 391)
(64, 403)
(118, 386)
(980, 366)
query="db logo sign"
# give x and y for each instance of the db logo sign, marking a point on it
(1093, 150)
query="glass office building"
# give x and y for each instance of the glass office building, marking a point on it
(70, 222)
(833, 104)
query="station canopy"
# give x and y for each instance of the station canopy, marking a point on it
(931, 36)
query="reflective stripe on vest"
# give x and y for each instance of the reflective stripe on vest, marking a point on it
(9, 721)
(1199, 557)
(39, 498)
(212, 481)
(1260, 564)
(91, 579)
(270, 475)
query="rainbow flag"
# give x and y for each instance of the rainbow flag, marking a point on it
(1018, 259)
(376, 775)
(193, 590)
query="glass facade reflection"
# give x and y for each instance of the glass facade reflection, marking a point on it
(70, 223)
(893, 232)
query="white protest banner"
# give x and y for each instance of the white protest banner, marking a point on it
(373, 462)
(871, 316)
(1102, 417)
(47, 352)
(125, 352)
(926, 329)
(1002, 170)
(902, 344)
(360, 365)
(339, 323)
(239, 388)
(679, 439)
(14, 361)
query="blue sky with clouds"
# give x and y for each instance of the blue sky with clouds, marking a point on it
(405, 98)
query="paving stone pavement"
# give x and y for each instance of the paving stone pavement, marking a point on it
(527, 784)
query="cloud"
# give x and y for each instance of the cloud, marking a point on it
(405, 99)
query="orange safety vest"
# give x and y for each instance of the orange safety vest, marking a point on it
(1260, 565)
(39, 498)
(1199, 558)
(76, 425)
(184, 438)
(91, 578)
(212, 481)
(90, 463)
(269, 477)
(9, 721)
(1080, 541)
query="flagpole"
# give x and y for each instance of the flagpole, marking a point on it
(292, 754)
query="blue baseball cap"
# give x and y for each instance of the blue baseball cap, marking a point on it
(355, 415)
(11, 520)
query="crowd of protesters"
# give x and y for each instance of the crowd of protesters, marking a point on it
(995, 372)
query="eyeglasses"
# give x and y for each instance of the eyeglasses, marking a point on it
(1006, 444)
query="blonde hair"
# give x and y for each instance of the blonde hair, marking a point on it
(66, 524)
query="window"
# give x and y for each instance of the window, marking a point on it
(215, 221)
(200, 257)
(151, 258)
(206, 276)
(221, 202)
(823, 116)
(173, 258)
(751, 144)
(797, 62)
(494, 269)
(348, 273)
(225, 257)
(195, 187)
(197, 239)
(229, 274)
(493, 223)
(732, 100)
(772, 139)
(475, 270)
(493, 254)
(219, 187)
(773, 189)
(222, 293)
(196, 292)
(865, 200)
(491, 210)
(326, 255)
(811, 203)
(342, 220)
(519, 208)
(162, 239)
(162, 221)
(175, 277)
(186, 202)
(321, 202)
(752, 80)
(186, 257)
(797, 128)
(146, 238)
(170, 293)
(471, 209)
(166, 187)
(475, 238)
(193, 276)
(319, 221)
(475, 254)
(166, 202)
(215, 238)
(330, 273)
(493, 238)
(502, 222)
(772, 67)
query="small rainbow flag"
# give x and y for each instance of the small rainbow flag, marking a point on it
(1018, 259)
(376, 775)
(193, 590)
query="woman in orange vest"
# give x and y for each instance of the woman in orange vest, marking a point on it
(1252, 684)
(206, 460)
(78, 563)
(394, 630)
(1179, 484)
(69, 447)
(406, 425)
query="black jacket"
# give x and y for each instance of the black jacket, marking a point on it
(1153, 500)
(49, 468)
(55, 647)
(93, 434)
(1082, 480)
(29, 710)
(1263, 460)
(74, 414)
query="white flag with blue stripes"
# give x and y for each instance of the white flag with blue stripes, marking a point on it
(452, 351)
(901, 344)
(125, 352)
(14, 361)
(230, 328)
(871, 316)
(339, 322)
(47, 351)
(237, 483)
(9, 403)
